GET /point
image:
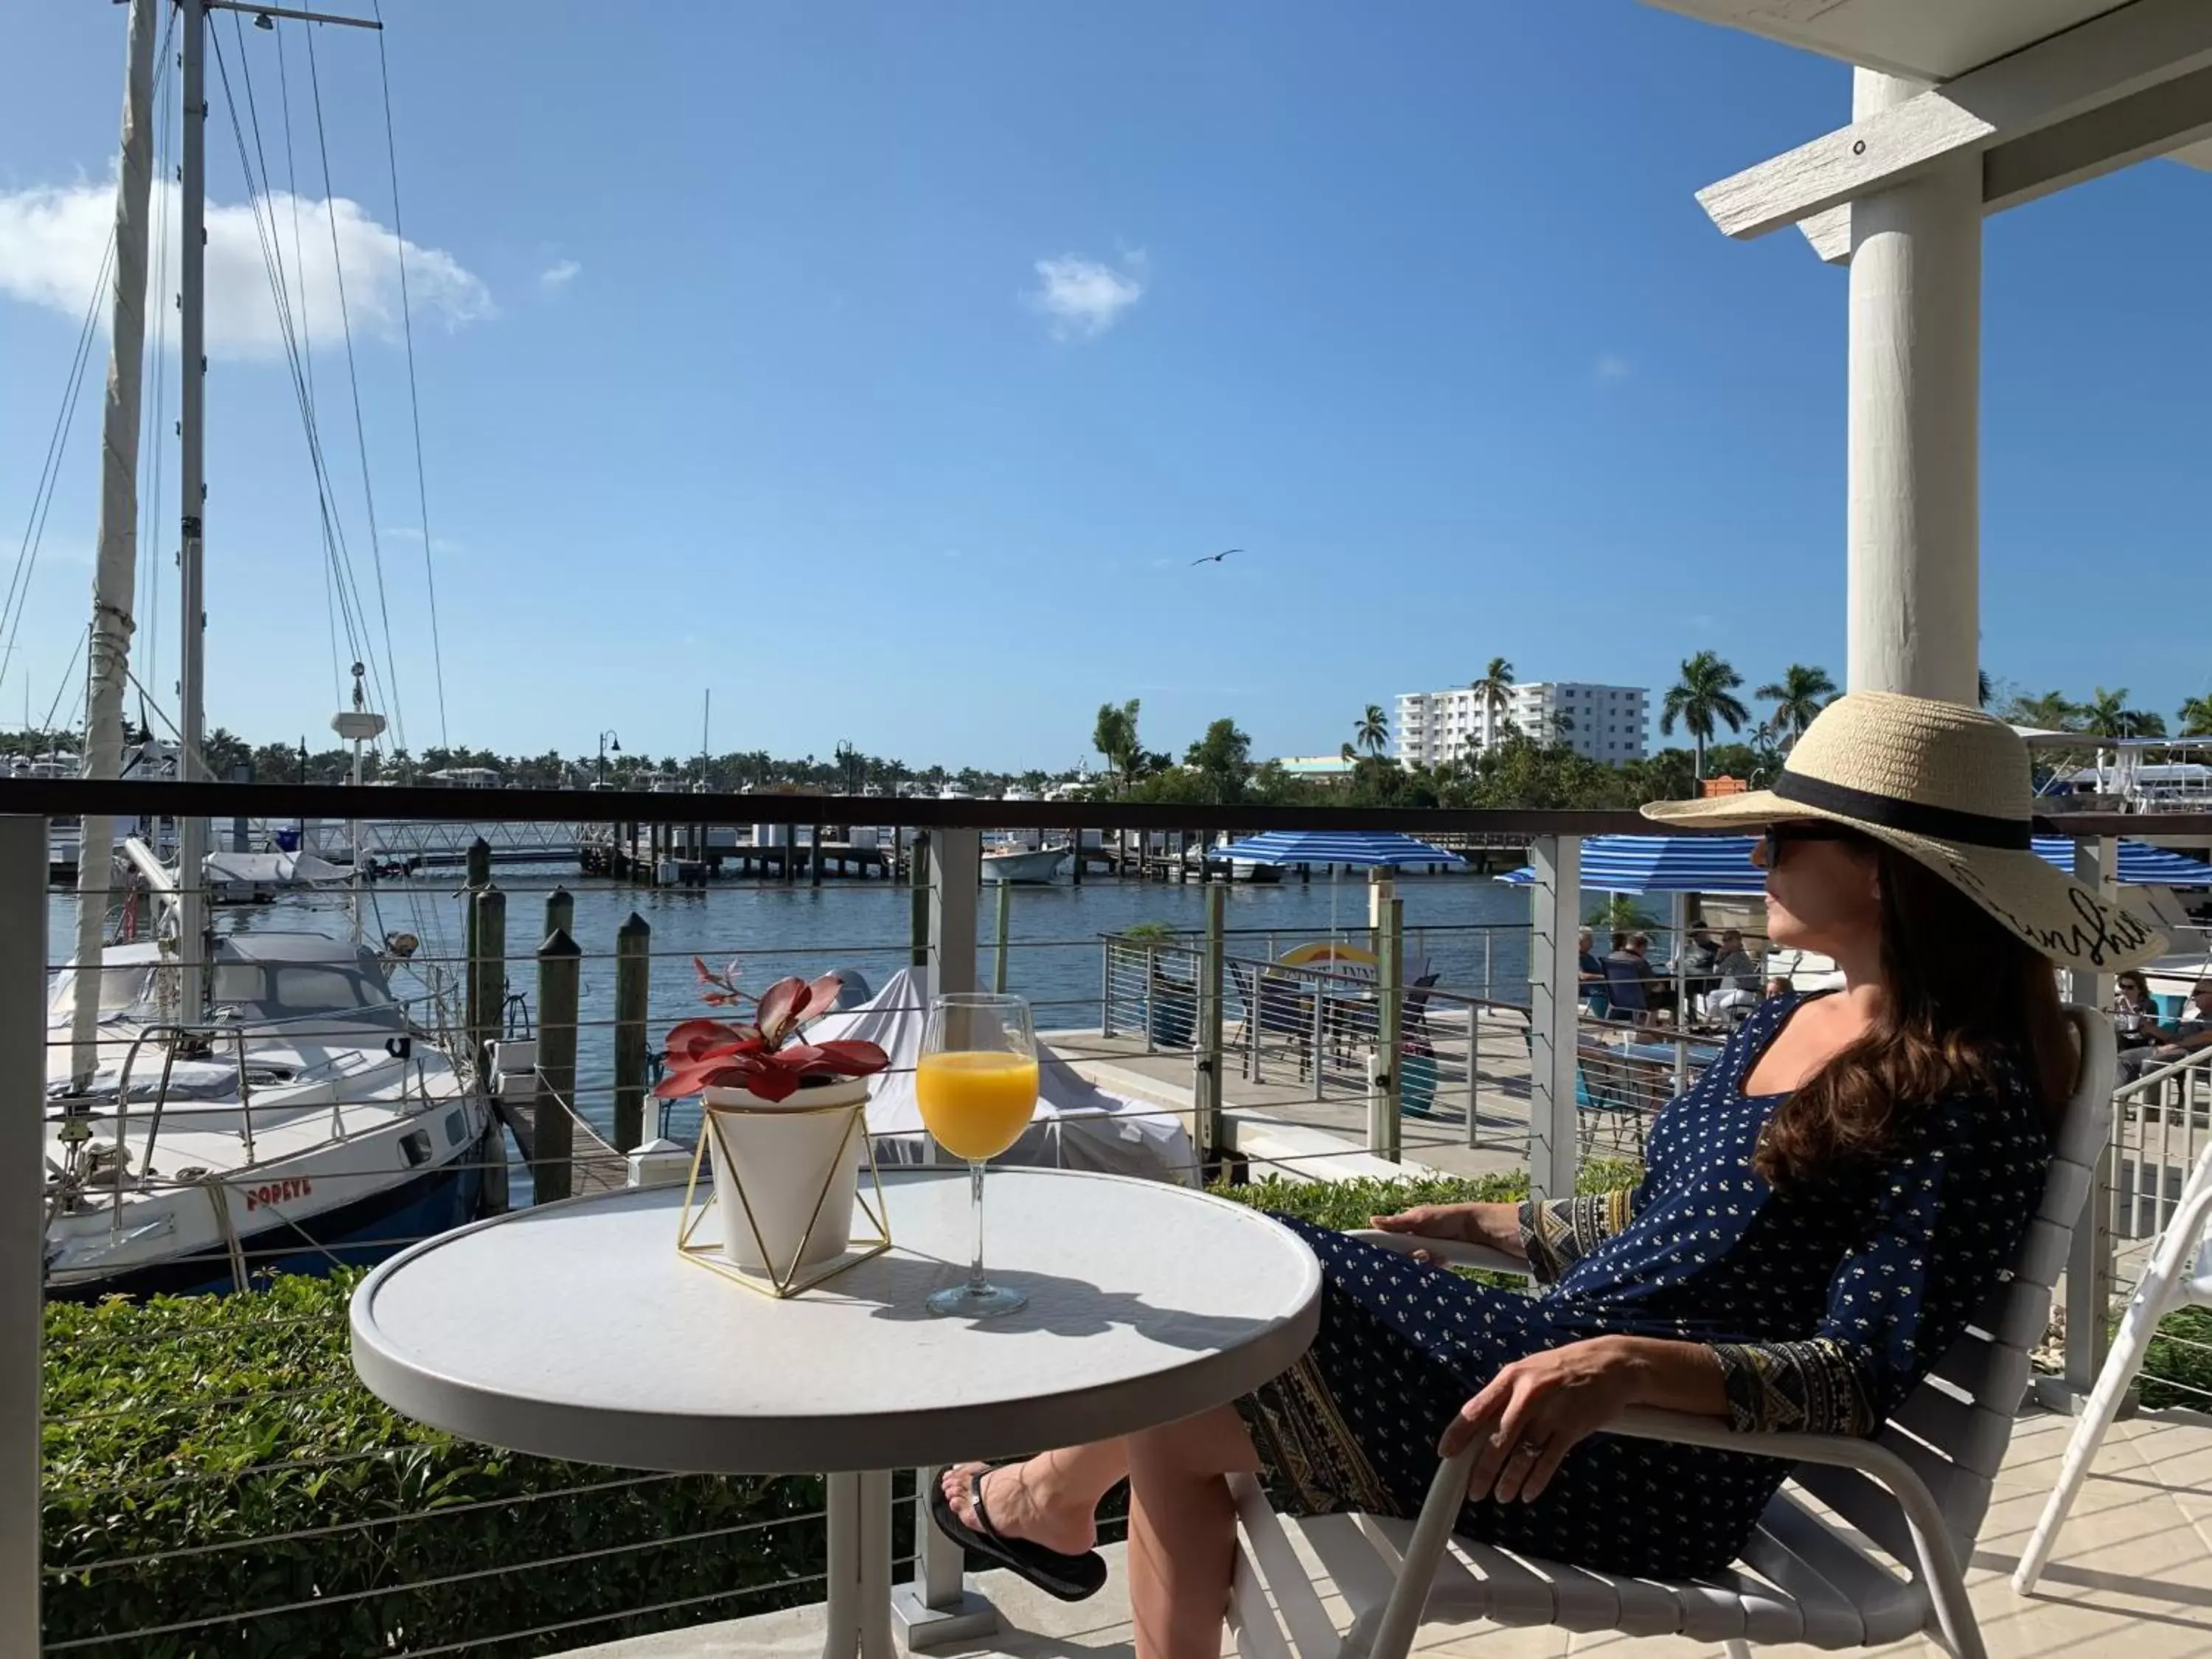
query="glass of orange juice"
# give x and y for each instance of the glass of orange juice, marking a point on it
(977, 1087)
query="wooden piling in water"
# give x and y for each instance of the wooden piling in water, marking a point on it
(478, 877)
(814, 858)
(560, 911)
(487, 997)
(1005, 917)
(917, 866)
(633, 991)
(553, 1141)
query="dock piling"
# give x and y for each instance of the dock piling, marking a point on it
(487, 988)
(560, 977)
(633, 992)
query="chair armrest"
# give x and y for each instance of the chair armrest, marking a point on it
(1931, 1534)
(1449, 1252)
(1938, 1561)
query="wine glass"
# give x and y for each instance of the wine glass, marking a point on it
(977, 1087)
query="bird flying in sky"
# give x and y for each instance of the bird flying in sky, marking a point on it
(1216, 558)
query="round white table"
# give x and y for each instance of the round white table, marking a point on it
(576, 1331)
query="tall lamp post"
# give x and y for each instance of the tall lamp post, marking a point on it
(607, 740)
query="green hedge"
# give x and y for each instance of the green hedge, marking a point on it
(188, 1427)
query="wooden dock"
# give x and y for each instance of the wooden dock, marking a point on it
(689, 855)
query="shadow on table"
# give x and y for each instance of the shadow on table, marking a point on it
(1061, 1305)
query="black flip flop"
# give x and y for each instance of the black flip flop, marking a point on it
(1070, 1578)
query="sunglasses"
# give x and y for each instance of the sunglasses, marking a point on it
(1779, 836)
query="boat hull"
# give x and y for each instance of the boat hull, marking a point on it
(1034, 869)
(356, 1234)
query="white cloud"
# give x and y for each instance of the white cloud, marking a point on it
(412, 532)
(1083, 297)
(51, 239)
(1610, 367)
(559, 274)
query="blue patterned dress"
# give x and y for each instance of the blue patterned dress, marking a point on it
(1824, 1303)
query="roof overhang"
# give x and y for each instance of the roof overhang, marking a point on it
(2047, 92)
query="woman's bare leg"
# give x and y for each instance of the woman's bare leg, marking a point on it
(1051, 1499)
(1182, 1532)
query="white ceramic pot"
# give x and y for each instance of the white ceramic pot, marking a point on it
(789, 1154)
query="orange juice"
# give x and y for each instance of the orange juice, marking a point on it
(975, 1103)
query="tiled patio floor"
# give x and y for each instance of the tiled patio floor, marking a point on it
(2132, 1576)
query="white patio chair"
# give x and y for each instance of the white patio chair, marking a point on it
(1914, 1495)
(2178, 1275)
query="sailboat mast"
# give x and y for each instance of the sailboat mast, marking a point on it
(115, 569)
(191, 336)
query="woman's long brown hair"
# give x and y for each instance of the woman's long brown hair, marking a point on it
(1965, 994)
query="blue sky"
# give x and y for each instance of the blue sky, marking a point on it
(881, 367)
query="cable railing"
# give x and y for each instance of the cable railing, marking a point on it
(209, 1463)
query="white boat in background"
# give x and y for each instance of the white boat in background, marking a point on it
(308, 1123)
(1033, 866)
(219, 1105)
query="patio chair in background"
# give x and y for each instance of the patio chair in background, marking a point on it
(1915, 1494)
(1278, 1009)
(2179, 1275)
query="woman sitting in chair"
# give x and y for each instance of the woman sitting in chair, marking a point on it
(1822, 1212)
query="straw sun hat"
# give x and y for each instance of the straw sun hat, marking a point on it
(1947, 786)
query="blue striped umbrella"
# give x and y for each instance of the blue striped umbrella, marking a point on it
(2141, 865)
(1665, 864)
(1722, 864)
(1347, 847)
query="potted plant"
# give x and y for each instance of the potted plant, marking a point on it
(784, 1121)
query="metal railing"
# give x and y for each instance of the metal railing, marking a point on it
(1495, 1058)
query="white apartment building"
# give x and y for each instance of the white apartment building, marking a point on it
(1605, 722)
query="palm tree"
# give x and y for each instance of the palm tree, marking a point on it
(2050, 711)
(2196, 717)
(1114, 737)
(1700, 700)
(2107, 715)
(1372, 733)
(1493, 691)
(1984, 688)
(1799, 694)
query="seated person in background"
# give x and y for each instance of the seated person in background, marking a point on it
(1658, 988)
(1627, 978)
(1736, 976)
(1698, 955)
(2135, 1012)
(2192, 1032)
(1776, 987)
(1589, 968)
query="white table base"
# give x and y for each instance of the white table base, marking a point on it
(856, 1615)
(938, 1608)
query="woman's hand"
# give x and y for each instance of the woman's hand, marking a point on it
(1535, 1411)
(1498, 1225)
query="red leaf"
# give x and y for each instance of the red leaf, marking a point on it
(706, 975)
(779, 1006)
(691, 1036)
(852, 1059)
(821, 997)
(772, 1082)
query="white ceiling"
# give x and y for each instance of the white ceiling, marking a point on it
(1932, 39)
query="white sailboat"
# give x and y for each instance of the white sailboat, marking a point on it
(221, 1106)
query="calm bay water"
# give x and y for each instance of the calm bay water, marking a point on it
(1470, 930)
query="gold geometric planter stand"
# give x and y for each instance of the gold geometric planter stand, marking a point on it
(788, 1281)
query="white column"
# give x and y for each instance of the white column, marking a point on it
(23, 1219)
(1554, 1012)
(1914, 477)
